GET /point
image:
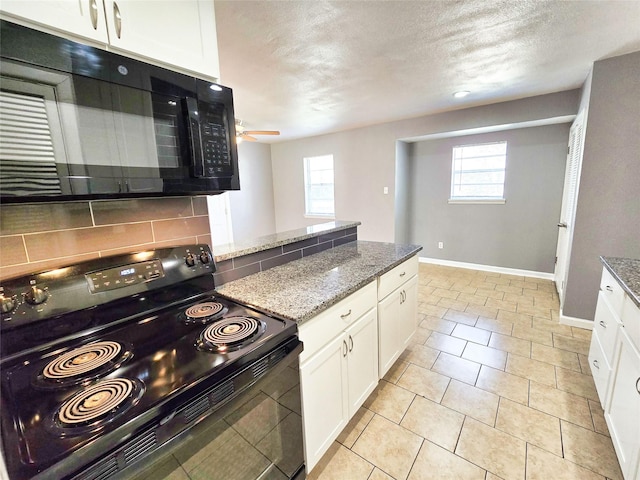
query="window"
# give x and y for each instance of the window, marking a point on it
(478, 172)
(318, 186)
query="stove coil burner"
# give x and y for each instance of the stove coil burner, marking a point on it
(97, 405)
(81, 364)
(204, 312)
(230, 334)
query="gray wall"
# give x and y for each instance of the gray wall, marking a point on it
(252, 207)
(365, 160)
(608, 212)
(403, 204)
(523, 232)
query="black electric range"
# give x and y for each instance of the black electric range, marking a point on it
(106, 361)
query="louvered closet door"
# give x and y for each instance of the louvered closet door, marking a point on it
(569, 202)
(27, 152)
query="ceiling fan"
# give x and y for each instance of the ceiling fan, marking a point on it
(242, 134)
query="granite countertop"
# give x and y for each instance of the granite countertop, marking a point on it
(238, 249)
(627, 272)
(301, 289)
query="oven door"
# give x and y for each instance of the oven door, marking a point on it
(256, 435)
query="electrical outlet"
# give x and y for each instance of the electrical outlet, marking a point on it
(385, 190)
(440, 244)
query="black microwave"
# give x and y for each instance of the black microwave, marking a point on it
(77, 122)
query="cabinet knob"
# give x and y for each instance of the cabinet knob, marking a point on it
(602, 324)
(403, 274)
(350, 343)
(608, 288)
(638, 385)
(345, 348)
(596, 364)
(343, 316)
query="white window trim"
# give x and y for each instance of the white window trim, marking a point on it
(476, 200)
(328, 216)
(317, 215)
(486, 201)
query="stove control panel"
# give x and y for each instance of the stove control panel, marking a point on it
(118, 277)
(60, 291)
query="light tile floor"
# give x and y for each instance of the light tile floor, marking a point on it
(492, 387)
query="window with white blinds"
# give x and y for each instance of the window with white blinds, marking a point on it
(26, 146)
(478, 173)
(318, 186)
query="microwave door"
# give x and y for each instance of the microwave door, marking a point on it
(97, 170)
(135, 125)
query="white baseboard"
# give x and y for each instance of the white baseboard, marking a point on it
(575, 322)
(488, 268)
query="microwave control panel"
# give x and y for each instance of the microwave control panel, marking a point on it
(214, 137)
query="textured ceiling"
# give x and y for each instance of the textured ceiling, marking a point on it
(312, 67)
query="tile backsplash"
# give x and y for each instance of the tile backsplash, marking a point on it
(36, 237)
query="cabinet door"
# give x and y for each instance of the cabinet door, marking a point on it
(325, 409)
(171, 32)
(83, 18)
(408, 312)
(623, 410)
(362, 360)
(389, 339)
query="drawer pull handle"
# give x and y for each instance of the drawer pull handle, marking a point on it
(608, 288)
(403, 274)
(345, 349)
(602, 324)
(596, 364)
(345, 315)
(350, 343)
(638, 385)
(93, 13)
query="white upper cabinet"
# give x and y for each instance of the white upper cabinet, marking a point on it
(80, 18)
(174, 32)
(178, 34)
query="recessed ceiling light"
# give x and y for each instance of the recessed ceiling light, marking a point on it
(461, 93)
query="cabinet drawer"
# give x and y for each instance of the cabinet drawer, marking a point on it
(606, 324)
(612, 291)
(600, 368)
(320, 330)
(631, 320)
(391, 280)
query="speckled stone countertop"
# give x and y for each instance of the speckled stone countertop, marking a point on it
(301, 289)
(238, 249)
(627, 272)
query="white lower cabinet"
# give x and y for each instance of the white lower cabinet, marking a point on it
(614, 358)
(338, 376)
(622, 412)
(397, 314)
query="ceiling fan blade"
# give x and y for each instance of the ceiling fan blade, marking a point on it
(248, 138)
(261, 132)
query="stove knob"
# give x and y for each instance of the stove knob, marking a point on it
(8, 303)
(190, 260)
(205, 257)
(36, 296)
